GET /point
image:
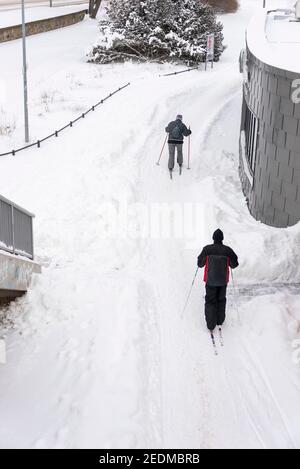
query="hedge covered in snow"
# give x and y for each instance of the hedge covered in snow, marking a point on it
(158, 30)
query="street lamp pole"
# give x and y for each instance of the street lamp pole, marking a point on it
(25, 73)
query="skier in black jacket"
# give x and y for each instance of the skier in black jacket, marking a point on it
(217, 259)
(177, 130)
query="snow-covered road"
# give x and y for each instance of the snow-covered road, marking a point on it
(12, 17)
(15, 5)
(98, 353)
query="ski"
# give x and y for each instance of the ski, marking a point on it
(221, 336)
(213, 342)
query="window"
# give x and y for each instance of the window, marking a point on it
(244, 66)
(251, 133)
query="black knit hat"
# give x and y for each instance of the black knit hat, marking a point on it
(218, 235)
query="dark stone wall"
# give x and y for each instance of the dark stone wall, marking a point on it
(274, 196)
(41, 26)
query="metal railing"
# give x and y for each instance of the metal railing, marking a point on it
(16, 229)
(69, 124)
(56, 133)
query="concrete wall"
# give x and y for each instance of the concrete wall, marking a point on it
(15, 274)
(35, 27)
(274, 194)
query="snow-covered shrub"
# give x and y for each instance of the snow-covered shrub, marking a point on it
(47, 98)
(158, 30)
(7, 123)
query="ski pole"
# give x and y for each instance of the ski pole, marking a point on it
(189, 151)
(162, 150)
(234, 296)
(186, 303)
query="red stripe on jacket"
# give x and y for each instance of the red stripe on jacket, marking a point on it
(228, 270)
(205, 270)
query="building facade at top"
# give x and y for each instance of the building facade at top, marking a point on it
(269, 163)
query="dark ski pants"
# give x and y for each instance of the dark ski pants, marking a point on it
(172, 147)
(215, 305)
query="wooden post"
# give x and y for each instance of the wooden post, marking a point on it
(94, 6)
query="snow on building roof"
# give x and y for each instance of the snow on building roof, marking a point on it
(274, 38)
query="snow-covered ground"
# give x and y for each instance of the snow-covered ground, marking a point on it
(13, 17)
(98, 352)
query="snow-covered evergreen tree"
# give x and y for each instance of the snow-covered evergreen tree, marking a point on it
(156, 30)
(194, 21)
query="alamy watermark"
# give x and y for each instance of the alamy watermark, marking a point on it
(296, 93)
(2, 352)
(154, 221)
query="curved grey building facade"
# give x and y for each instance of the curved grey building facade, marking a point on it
(270, 125)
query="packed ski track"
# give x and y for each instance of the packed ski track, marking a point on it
(99, 354)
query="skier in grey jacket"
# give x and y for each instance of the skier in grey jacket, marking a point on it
(177, 130)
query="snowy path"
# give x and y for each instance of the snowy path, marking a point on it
(214, 392)
(99, 355)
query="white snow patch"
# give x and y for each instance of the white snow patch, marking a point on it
(97, 352)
